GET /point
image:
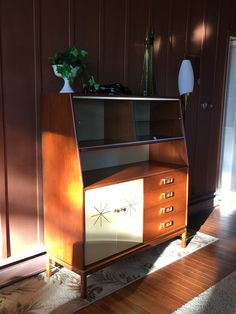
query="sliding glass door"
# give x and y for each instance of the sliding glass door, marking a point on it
(227, 183)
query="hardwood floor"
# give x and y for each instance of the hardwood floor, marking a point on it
(167, 289)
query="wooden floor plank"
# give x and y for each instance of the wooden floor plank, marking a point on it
(169, 288)
(189, 272)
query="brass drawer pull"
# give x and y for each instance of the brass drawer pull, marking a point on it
(166, 210)
(167, 195)
(168, 181)
(166, 224)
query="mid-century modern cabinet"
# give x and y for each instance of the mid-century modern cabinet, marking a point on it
(115, 178)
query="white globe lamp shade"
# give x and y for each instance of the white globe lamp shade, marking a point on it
(186, 78)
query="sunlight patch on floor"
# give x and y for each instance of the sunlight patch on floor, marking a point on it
(227, 202)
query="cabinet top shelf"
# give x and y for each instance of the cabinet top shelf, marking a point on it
(123, 97)
(107, 176)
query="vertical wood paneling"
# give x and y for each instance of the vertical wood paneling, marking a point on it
(137, 23)
(17, 27)
(176, 44)
(191, 116)
(126, 43)
(206, 94)
(55, 36)
(194, 38)
(3, 200)
(87, 30)
(196, 27)
(160, 12)
(4, 224)
(113, 42)
(232, 5)
(214, 44)
(195, 48)
(226, 9)
(71, 22)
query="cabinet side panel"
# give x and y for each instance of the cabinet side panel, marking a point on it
(173, 152)
(62, 182)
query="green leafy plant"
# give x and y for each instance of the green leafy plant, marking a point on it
(92, 85)
(69, 63)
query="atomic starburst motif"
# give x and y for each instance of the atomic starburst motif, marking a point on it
(130, 207)
(101, 214)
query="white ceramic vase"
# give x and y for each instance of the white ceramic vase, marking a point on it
(66, 87)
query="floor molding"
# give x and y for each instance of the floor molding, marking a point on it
(22, 269)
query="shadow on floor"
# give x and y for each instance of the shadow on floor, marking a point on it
(197, 220)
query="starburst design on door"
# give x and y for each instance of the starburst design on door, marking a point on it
(101, 214)
(130, 207)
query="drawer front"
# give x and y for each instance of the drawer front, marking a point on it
(165, 179)
(170, 208)
(165, 205)
(156, 225)
(161, 188)
(153, 197)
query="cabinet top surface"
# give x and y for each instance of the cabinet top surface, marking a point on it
(122, 97)
(107, 176)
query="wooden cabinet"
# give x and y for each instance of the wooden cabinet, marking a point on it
(115, 174)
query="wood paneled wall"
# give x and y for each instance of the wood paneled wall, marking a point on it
(21, 207)
(113, 32)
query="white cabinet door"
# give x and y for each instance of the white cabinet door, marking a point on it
(113, 219)
(129, 215)
(100, 235)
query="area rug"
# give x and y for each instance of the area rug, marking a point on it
(60, 293)
(218, 299)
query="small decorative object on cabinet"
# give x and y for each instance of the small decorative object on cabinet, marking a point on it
(73, 73)
(68, 65)
(115, 178)
(148, 83)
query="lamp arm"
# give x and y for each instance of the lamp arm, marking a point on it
(185, 98)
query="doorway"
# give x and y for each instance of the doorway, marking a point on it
(227, 178)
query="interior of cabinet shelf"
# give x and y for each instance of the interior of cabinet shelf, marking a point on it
(106, 176)
(103, 144)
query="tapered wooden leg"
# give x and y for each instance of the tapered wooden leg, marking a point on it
(48, 267)
(83, 286)
(184, 237)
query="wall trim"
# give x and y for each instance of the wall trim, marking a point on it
(202, 203)
(19, 270)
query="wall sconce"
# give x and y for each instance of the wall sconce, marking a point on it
(185, 81)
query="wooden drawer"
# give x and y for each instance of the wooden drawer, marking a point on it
(153, 197)
(165, 179)
(166, 209)
(156, 225)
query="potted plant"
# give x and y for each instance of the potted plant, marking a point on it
(68, 64)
